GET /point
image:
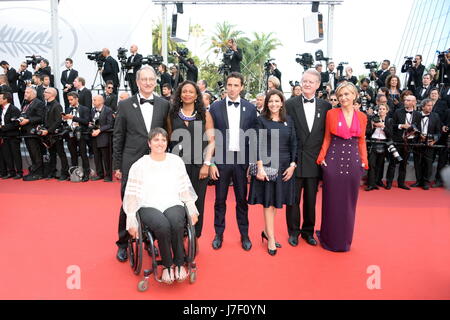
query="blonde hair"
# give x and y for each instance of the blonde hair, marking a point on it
(275, 81)
(347, 85)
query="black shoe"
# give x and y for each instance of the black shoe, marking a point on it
(437, 184)
(50, 176)
(263, 236)
(403, 186)
(217, 242)
(415, 185)
(85, 179)
(122, 255)
(380, 184)
(32, 177)
(107, 180)
(388, 185)
(310, 240)
(272, 252)
(246, 243)
(370, 188)
(8, 176)
(426, 187)
(96, 178)
(293, 240)
(63, 178)
(18, 176)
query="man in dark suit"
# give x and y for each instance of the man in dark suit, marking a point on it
(23, 79)
(381, 75)
(164, 76)
(331, 76)
(9, 132)
(231, 116)
(109, 96)
(78, 118)
(189, 64)
(430, 132)
(424, 91)
(53, 122)
(309, 115)
(136, 116)
(404, 120)
(43, 68)
(33, 111)
(415, 73)
(84, 94)
(67, 78)
(236, 58)
(103, 121)
(110, 69)
(11, 73)
(134, 63)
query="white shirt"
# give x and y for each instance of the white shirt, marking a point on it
(131, 60)
(5, 109)
(159, 185)
(424, 123)
(234, 120)
(310, 112)
(379, 133)
(331, 79)
(70, 122)
(147, 112)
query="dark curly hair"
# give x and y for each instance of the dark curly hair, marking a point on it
(177, 104)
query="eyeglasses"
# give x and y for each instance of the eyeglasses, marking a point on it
(333, 100)
(109, 87)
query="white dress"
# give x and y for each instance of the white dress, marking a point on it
(159, 185)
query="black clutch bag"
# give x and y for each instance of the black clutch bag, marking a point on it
(272, 173)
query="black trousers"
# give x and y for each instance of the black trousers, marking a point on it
(442, 154)
(309, 187)
(21, 95)
(58, 148)
(238, 174)
(168, 228)
(423, 164)
(102, 159)
(200, 189)
(123, 233)
(404, 152)
(376, 167)
(131, 77)
(34, 149)
(10, 152)
(74, 146)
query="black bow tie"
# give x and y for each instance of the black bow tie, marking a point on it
(425, 115)
(236, 104)
(410, 112)
(307, 100)
(142, 101)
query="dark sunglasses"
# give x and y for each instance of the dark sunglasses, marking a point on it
(333, 100)
(109, 87)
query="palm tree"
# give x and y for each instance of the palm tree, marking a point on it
(225, 31)
(157, 40)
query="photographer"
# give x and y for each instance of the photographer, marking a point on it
(23, 80)
(67, 78)
(443, 65)
(405, 124)
(43, 68)
(296, 89)
(134, 63)
(109, 97)
(379, 129)
(164, 76)
(236, 56)
(176, 77)
(366, 94)
(381, 75)
(430, 131)
(84, 94)
(4, 86)
(349, 76)
(9, 131)
(192, 70)
(393, 85)
(11, 74)
(415, 70)
(102, 122)
(273, 83)
(110, 69)
(78, 119)
(329, 76)
(424, 91)
(53, 124)
(32, 115)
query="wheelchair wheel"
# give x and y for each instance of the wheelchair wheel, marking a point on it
(143, 285)
(135, 250)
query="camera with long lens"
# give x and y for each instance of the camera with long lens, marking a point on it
(38, 130)
(393, 150)
(95, 125)
(441, 56)
(409, 62)
(376, 118)
(340, 66)
(153, 60)
(427, 139)
(34, 60)
(122, 56)
(96, 56)
(364, 99)
(294, 84)
(63, 129)
(305, 59)
(411, 131)
(370, 65)
(320, 57)
(268, 64)
(181, 51)
(18, 119)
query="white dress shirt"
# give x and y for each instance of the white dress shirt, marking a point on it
(234, 120)
(310, 112)
(5, 109)
(424, 123)
(147, 112)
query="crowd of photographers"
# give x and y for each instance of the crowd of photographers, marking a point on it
(402, 122)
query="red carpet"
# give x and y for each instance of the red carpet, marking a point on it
(47, 226)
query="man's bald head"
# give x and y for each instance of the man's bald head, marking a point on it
(98, 100)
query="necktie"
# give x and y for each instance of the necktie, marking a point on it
(142, 101)
(236, 104)
(410, 112)
(308, 100)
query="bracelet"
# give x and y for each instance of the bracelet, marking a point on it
(212, 164)
(293, 164)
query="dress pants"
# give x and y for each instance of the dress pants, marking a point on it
(442, 154)
(58, 148)
(309, 187)
(376, 167)
(404, 152)
(74, 145)
(423, 164)
(200, 189)
(238, 174)
(123, 233)
(131, 77)
(10, 150)
(102, 159)
(168, 228)
(34, 149)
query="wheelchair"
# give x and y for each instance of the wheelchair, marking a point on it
(146, 242)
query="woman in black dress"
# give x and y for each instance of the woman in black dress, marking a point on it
(277, 140)
(188, 123)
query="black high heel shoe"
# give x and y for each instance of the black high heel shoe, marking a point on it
(263, 236)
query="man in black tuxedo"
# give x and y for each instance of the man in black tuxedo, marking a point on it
(415, 73)
(32, 115)
(134, 63)
(231, 115)
(381, 75)
(164, 76)
(236, 58)
(109, 97)
(23, 79)
(110, 69)
(67, 78)
(136, 116)
(43, 68)
(103, 121)
(84, 94)
(9, 132)
(423, 92)
(404, 120)
(53, 123)
(309, 115)
(11, 73)
(430, 132)
(330, 76)
(189, 64)
(78, 118)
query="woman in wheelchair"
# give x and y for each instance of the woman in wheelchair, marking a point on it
(158, 187)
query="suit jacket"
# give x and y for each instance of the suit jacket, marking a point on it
(53, 118)
(387, 128)
(83, 119)
(399, 118)
(415, 74)
(111, 70)
(235, 62)
(248, 118)
(308, 143)
(5, 88)
(9, 128)
(440, 107)
(165, 78)
(130, 133)
(111, 101)
(192, 70)
(136, 64)
(11, 74)
(382, 76)
(69, 80)
(434, 125)
(21, 78)
(425, 94)
(34, 113)
(85, 97)
(106, 122)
